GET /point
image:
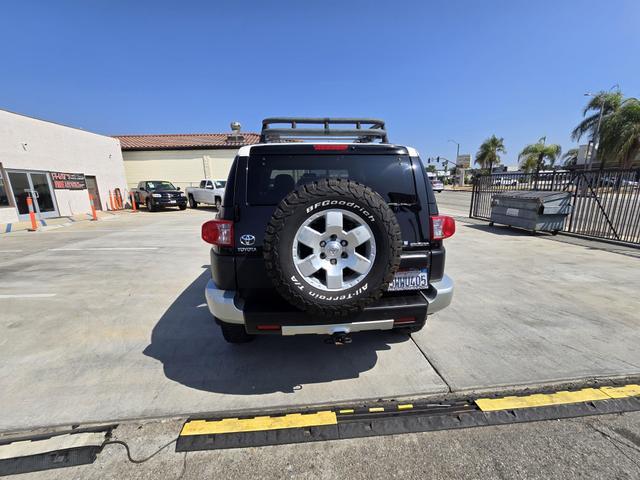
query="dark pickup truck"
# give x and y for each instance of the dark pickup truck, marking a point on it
(155, 194)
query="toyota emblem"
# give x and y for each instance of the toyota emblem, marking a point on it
(247, 240)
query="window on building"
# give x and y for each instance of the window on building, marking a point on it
(4, 192)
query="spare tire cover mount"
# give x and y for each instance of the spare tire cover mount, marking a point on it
(335, 259)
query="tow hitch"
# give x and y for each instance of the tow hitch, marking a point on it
(339, 338)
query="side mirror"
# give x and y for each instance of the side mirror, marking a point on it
(143, 189)
(178, 188)
(209, 186)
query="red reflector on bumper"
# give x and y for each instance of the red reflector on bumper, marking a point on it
(404, 320)
(268, 327)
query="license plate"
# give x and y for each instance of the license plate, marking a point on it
(172, 201)
(409, 280)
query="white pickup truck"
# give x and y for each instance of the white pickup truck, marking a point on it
(209, 192)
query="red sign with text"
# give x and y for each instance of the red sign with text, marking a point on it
(68, 181)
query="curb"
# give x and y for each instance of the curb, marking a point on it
(53, 223)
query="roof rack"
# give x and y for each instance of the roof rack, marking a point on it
(361, 130)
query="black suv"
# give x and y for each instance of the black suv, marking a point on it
(326, 238)
(155, 194)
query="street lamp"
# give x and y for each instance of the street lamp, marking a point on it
(596, 134)
(461, 174)
(457, 149)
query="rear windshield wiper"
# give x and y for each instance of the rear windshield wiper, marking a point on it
(400, 205)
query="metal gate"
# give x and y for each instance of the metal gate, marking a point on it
(606, 203)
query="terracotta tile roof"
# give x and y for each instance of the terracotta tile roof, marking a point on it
(185, 141)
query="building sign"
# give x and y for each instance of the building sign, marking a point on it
(68, 181)
(464, 161)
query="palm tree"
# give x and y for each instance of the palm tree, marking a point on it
(571, 157)
(533, 156)
(608, 102)
(620, 133)
(487, 155)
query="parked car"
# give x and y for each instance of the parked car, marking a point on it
(437, 185)
(209, 192)
(506, 181)
(326, 238)
(155, 194)
(616, 181)
(630, 183)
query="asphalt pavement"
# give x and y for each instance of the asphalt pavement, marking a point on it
(454, 202)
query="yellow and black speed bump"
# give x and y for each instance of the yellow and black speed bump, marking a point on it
(393, 418)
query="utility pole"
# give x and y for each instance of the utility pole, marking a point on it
(461, 174)
(595, 138)
(596, 135)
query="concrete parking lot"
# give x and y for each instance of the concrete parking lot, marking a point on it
(106, 321)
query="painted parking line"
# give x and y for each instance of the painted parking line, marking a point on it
(28, 295)
(390, 418)
(102, 249)
(10, 251)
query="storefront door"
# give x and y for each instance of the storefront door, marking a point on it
(36, 185)
(92, 186)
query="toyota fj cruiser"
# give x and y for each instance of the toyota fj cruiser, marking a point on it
(326, 238)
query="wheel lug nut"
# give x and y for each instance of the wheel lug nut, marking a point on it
(323, 243)
(344, 243)
(333, 237)
(322, 255)
(344, 255)
(333, 261)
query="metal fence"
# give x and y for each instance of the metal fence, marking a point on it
(605, 203)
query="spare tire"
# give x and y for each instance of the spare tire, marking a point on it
(332, 247)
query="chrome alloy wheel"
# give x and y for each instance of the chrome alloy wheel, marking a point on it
(334, 250)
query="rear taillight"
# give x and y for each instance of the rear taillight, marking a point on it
(442, 227)
(218, 232)
(332, 146)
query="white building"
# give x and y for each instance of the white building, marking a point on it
(583, 154)
(182, 159)
(57, 166)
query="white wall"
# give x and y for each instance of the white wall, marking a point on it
(32, 144)
(181, 167)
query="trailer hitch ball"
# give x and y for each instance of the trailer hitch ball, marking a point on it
(339, 338)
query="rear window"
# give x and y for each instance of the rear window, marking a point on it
(271, 178)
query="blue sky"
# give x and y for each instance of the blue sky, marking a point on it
(434, 70)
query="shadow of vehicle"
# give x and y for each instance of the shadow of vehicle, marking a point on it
(206, 208)
(505, 230)
(190, 346)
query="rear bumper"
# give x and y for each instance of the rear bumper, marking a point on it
(222, 304)
(440, 294)
(227, 308)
